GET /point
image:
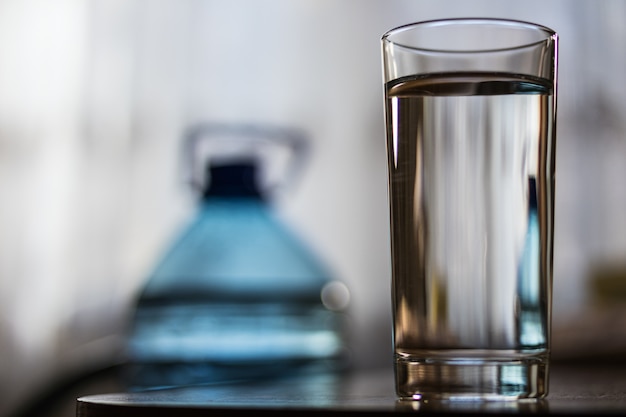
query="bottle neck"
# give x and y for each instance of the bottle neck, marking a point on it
(237, 180)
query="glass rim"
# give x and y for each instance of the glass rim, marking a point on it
(549, 33)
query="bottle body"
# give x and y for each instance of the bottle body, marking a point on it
(236, 297)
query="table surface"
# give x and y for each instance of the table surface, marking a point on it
(579, 388)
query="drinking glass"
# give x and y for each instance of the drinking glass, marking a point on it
(470, 129)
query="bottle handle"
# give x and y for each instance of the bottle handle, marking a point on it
(220, 143)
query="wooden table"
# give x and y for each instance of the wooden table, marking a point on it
(574, 389)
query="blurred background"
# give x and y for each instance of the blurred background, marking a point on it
(95, 97)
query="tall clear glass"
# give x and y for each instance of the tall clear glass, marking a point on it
(470, 116)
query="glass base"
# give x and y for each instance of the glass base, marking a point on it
(471, 378)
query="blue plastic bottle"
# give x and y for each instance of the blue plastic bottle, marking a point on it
(237, 296)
